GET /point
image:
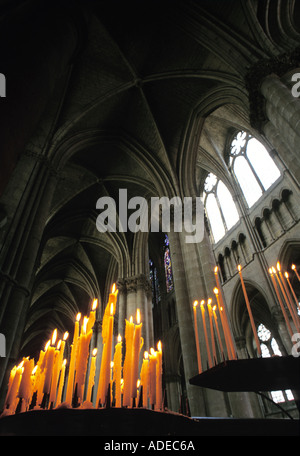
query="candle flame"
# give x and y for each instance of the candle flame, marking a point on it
(293, 267)
(119, 338)
(195, 303)
(34, 370)
(202, 302)
(58, 344)
(64, 362)
(159, 345)
(138, 316)
(78, 316)
(21, 364)
(286, 275)
(152, 351)
(273, 270)
(138, 383)
(66, 335)
(94, 352)
(216, 291)
(95, 304)
(214, 308)
(216, 269)
(131, 319)
(111, 364)
(47, 345)
(146, 355)
(84, 324)
(239, 267)
(270, 271)
(209, 301)
(113, 288)
(54, 336)
(278, 266)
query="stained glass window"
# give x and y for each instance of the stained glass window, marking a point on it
(154, 283)
(168, 265)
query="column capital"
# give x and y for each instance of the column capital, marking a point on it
(278, 65)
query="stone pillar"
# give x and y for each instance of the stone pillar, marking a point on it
(185, 322)
(142, 304)
(122, 298)
(19, 255)
(131, 287)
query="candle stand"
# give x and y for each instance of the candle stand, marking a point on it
(253, 375)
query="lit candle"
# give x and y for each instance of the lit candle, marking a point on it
(209, 301)
(50, 354)
(217, 328)
(113, 297)
(145, 378)
(70, 385)
(118, 370)
(285, 294)
(55, 374)
(197, 337)
(159, 404)
(11, 398)
(249, 311)
(295, 270)
(25, 388)
(288, 298)
(107, 336)
(205, 334)
(61, 383)
(83, 353)
(272, 272)
(91, 375)
(286, 274)
(226, 330)
(136, 348)
(129, 332)
(152, 377)
(92, 316)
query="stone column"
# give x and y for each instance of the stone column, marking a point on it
(142, 304)
(19, 256)
(185, 322)
(122, 298)
(131, 287)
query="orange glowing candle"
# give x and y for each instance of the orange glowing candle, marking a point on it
(145, 378)
(11, 398)
(83, 354)
(195, 304)
(286, 274)
(152, 376)
(287, 297)
(205, 334)
(107, 335)
(295, 271)
(136, 348)
(129, 332)
(214, 308)
(70, 386)
(159, 404)
(212, 335)
(55, 373)
(50, 355)
(92, 316)
(25, 388)
(61, 383)
(249, 311)
(272, 272)
(225, 327)
(91, 376)
(118, 370)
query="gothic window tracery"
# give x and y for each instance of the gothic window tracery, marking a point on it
(252, 165)
(220, 207)
(168, 266)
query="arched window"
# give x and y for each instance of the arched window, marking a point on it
(168, 265)
(269, 347)
(220, 207)
(252, 165)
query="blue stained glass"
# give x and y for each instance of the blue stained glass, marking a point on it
(168, 266)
